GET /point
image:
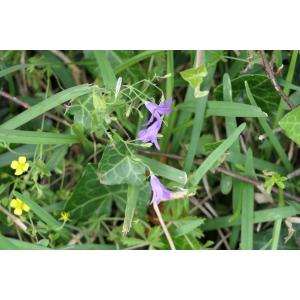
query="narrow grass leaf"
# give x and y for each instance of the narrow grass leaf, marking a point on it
(247, 206)
(132, 198)
(164, 171)
(46, 105)
(6, 244)
(36, 137)
(135, 59)
(215, 156)
(261, 216)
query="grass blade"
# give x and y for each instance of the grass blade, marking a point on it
(247, 207)
(135, 59)
(6, 244)
(171, 118)
(164, 171)
(132, 197)
(227, 109)
(215, 156)
(13, 69)
(231, 125)
(106, 70)
(35, 137)
(231, 109)
(261, 216)
(199, 120)
(46, 105)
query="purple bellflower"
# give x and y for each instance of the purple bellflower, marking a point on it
(150, 134)
(160, 193)
(158, 110)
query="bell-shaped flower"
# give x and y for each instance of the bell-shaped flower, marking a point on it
(158, 110)
(160, 193)
(150, 134)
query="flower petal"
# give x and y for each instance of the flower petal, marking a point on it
(18, 211)
(14, 164)
(22, 159)
(26, 166)
(19, 171)
(26, 207)
(160, 193)
(13, 203)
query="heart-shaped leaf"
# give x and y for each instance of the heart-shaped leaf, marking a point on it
(290, 123)
(118, 166)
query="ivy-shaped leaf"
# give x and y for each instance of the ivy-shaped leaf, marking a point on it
(90, 197)
(290, 123)
(117, 166)
(262, 89)
(194, 76)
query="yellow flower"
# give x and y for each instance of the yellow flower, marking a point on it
(19, 206)
(20, 165)
(65, 216)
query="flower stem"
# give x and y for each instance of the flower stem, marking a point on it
(163, 225)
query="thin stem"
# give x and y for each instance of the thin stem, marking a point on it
(16, 220)
(286, 90)
(163, 225)
(271, 75)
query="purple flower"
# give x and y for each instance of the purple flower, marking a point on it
(160, 193)
(150, 134)
(158, 110)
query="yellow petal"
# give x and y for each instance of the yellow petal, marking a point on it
(26, 207)
(22, 159)
(26, 166)
(14, 164)
(18, 172)
(18, 211)
(14, 203)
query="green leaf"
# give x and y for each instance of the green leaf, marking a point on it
(6, 244)
(232, 109)
(187, 225)
(262, 89)
(132, 199)
(118, 166)
(13, 69)
(46, 105)
(82, 110)
(274, 140)
(261, 216)
(35, 137)
(226, 184)
(194, 76)
(164, 171)
(63, 72)
(247, 206)
(90, 197)
(227, 109)
(290, 123)
(215, 156)
(106, 70)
